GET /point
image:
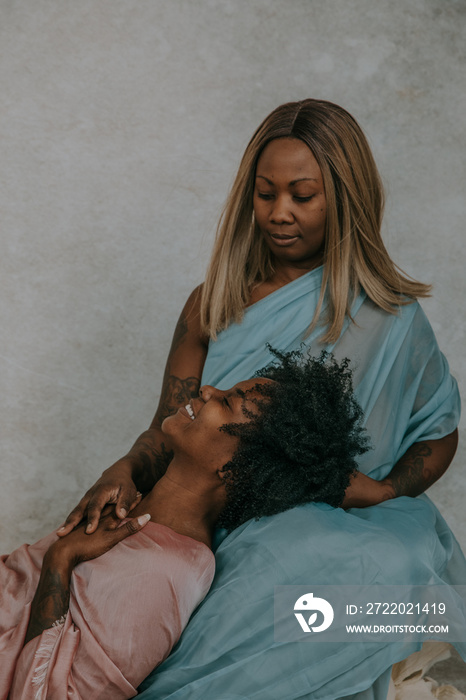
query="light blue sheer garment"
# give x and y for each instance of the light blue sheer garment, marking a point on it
(403, 384)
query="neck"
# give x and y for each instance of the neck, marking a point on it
(186, 501)
(284, 273)
(288, 271)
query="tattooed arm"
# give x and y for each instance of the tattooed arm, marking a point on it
(148, 458)
(52, 598)
(419, 468)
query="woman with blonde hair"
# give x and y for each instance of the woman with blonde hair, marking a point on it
(299, 259)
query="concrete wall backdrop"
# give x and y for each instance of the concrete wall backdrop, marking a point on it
(122, 124)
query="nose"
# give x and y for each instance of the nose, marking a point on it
(207, 392)
(281, 212)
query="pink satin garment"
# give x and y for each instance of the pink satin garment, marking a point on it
(127, 610)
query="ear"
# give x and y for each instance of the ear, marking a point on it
(224, 472)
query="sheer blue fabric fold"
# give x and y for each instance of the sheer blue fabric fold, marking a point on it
(404, 386)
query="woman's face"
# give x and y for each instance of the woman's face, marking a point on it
(289, 203)
(194, 429)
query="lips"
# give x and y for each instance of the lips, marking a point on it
(184, 412)
(188, 411)
(282, 239)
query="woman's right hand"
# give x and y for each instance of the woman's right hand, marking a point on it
(115, 487)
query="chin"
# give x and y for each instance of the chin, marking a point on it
(173, 426)
(165, 425)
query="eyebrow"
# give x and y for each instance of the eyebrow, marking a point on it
(241, 394)
(293, 182)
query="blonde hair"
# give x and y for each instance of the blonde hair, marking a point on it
(354, 253)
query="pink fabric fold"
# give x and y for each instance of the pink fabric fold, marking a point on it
(127, 610)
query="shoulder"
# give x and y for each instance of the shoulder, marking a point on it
(190, 318)
(409, 313)
(413, 326)
(413, 314)
(193, 302)
(406, 323)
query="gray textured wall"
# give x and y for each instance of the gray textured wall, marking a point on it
(122, 124)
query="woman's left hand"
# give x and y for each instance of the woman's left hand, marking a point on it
(421, 465)
(364, 491)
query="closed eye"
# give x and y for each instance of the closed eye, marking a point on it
(267, 197)
(226, 402)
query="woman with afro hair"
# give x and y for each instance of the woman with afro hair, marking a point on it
(302, 443)
(254, 450)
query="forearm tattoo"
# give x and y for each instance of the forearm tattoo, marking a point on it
(176, 391)
(50, 602)
(411, 475)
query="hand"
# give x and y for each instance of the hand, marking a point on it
(51, 600)
(78, 547)
(115, 486)
(364, 491)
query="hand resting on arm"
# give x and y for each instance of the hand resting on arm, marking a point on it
(421, 465)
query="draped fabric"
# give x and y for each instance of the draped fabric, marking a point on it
(127, 610)
(403, 384)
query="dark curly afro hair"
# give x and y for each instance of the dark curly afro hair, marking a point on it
(300, 444)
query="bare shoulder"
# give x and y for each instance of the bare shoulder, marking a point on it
(193, 303)
(188, 328)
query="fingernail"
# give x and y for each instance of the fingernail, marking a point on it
(138, 493)
(143, 519)
(61, 528)
(123, 512)
(89, 528)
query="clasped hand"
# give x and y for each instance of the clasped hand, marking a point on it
(78, 546)
(115, 487)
